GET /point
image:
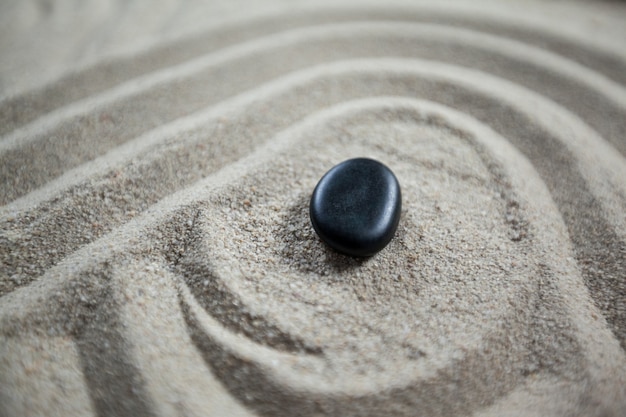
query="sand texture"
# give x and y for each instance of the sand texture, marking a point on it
(156, 166)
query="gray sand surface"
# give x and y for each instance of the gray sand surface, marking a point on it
(156, 165)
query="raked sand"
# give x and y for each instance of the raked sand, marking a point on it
(156, 164)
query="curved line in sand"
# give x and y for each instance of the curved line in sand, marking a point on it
(560, 123)
(236, 169)
(472, 81)
(514, 163)
(161, 134)
(19, 110)
(60, 138)
(256, 361)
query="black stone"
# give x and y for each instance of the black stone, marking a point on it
(355, 208)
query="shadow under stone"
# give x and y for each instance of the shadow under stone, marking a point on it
(301, 248)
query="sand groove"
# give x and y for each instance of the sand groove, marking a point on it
(148, 102)
(22, 109)
(170, 198)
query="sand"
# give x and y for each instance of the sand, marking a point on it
(156, 165)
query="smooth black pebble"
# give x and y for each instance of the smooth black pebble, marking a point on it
(355, 208)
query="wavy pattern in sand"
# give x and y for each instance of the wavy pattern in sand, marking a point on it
(158, 258)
